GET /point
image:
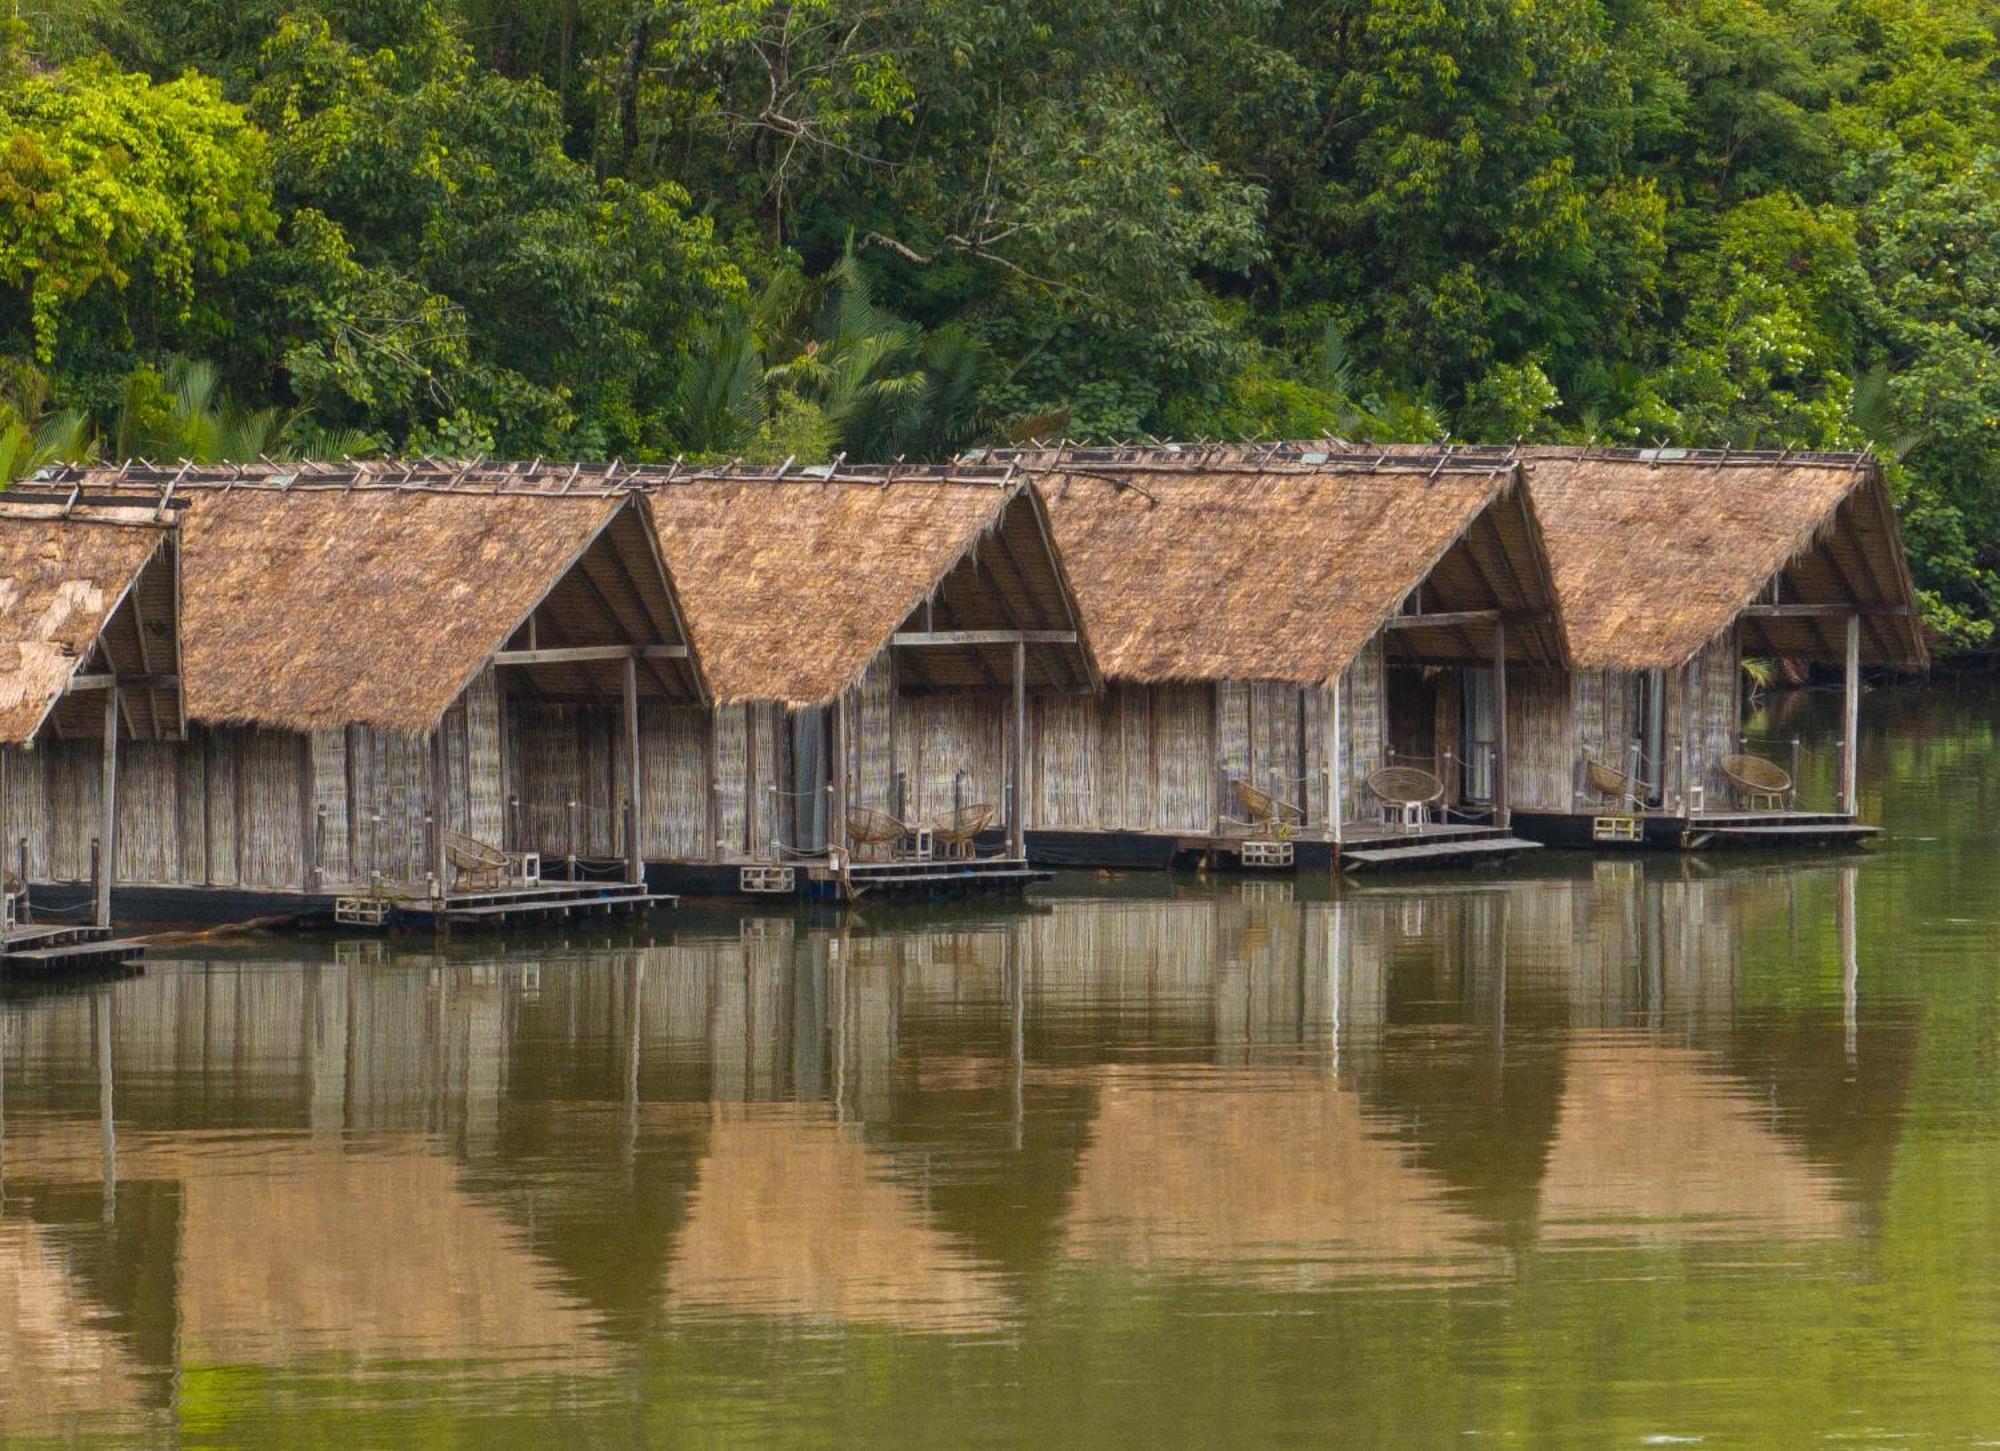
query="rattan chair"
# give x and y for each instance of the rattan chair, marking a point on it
(1407, 794)
(1612, 784)
(955, 831)
(875, 834)
(475, 865)
(1262, 809)
(1758, 780)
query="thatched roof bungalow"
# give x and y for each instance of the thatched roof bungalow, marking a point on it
(355, 636)
(1248, 610)
(1671, 567)
(89, 654)
(902, 620)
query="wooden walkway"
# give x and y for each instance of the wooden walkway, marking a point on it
(46, 950)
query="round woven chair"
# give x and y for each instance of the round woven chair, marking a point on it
(955, 831)
(1407, 793)
(1612, 783)
(874, 834)
(1275, 816)
(1758, 780)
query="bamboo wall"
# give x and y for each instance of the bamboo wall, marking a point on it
(1556, 719)
(564, 754)
(1158, 758)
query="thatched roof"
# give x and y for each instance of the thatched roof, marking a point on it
(1655, 555)
(793, 585)
(1194, 568)
(373, 597)
(63, 576)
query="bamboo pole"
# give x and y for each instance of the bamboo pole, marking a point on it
(107, 855)
(1850, 718)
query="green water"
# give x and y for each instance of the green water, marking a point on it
(1599, 1152)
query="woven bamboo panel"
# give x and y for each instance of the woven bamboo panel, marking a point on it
(1063, 761)
(73, 782)
(275, 808)
(871, 758)
(387, 781)
(332, 840)
(940, 736)
(479, 793)
(1275, 732)
(24, 804)
(673, 756)
(1316, 785)
(1232, 718)
(1541, 748)
(1184, 758)
(1718, 715)
(148, 811)
(191, 793)
(732, 744)
(1365, 717)
(219, 773)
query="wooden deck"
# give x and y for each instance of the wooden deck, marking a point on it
(45, 950)
(1711, 831)
(526, 904)
(1439, 844)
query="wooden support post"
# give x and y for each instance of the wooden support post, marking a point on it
(1336, 785)
(711, 782)
(1690, 717)
(1503, 796)
(836, 778)
(107, 856)
(1850, 722)
(440, 808)
(635, 865)
(1017, 822)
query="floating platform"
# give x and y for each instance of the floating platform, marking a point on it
(1369, 848)
(939, 879)
(1421, 848)
(528, 904)
(1712, 831)
(47, 950)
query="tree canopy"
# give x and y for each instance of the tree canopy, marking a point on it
(776, 228)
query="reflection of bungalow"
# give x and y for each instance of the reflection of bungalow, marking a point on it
(1270, 1178)
(285, 1257)
(61, 1370)
(793, 1215)
(355, 642)
(1657, 1142)
(89, 657)
(1248, 612)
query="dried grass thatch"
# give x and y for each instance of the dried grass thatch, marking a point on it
(1654, 556)
(793, 585)
(62, 577)
(1189, 570)
(317, 609)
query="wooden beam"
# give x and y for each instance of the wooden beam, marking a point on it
(1452, 619)
(108, 680)
(915, 638)
(1850, 716)
(578, 654)
(107, 839)
(1822, 612)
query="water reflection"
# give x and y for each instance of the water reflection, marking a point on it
(378, 1163)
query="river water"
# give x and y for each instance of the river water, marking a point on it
(1611, 1151)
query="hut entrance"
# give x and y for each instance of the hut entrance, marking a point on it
(1412, 716)
(1647, 713)
(809, 761)
(1478, 734)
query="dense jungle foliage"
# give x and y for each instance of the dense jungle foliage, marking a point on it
(767, 228)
